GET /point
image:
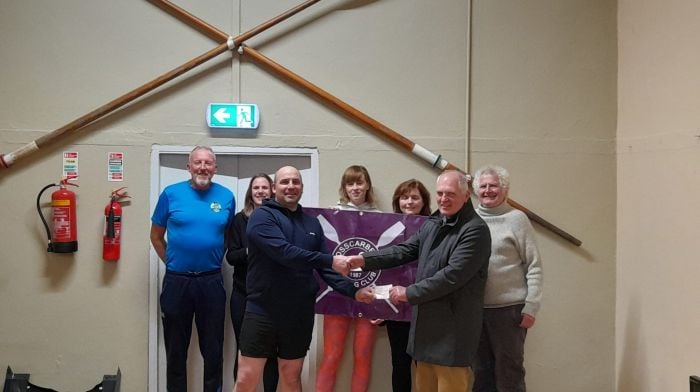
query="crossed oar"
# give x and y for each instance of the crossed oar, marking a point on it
(386, 238)
(231, 43)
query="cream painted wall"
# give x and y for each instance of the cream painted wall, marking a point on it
(658, 151)
(543, 105)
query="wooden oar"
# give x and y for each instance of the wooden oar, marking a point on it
(9, 159)
(229, 43)
(434, 159)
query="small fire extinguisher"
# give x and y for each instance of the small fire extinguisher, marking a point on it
(63, 237)
(111, 237)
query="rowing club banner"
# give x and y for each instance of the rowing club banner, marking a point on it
(352, 233)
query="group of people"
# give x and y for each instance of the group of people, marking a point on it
(477, 290)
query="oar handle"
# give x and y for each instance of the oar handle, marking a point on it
(226, 43)
(8, 159)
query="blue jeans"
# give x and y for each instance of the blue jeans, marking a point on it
(200, 296)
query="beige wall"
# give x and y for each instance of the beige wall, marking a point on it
(658, 151)
(542, 104)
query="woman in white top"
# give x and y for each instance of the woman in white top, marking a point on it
(355, 195)
(513, 288)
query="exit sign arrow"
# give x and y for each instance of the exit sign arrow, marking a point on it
(221, 115)
(233, 115)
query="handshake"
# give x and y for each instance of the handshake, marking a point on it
(343, 264)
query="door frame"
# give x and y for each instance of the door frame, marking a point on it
(311, 194)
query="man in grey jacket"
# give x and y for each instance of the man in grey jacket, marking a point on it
(453, 249)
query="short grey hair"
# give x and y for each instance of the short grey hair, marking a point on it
(498, 171)
(463, 179)
(206, 148)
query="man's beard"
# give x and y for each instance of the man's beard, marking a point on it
(202, 181)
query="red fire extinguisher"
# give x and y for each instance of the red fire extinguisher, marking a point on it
(63, 237)
(111, 237)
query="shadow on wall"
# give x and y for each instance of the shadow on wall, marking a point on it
(633, 361)
(58, 270)
(581, 251)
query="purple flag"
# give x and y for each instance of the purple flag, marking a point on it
(353, 232)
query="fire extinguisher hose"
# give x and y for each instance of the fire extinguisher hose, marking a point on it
(41, 215)
(110, 219)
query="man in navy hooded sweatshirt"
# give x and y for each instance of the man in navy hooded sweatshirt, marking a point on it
(285, 246)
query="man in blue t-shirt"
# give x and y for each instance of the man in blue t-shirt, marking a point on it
(195, 214)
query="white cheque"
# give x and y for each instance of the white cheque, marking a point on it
(382, 291)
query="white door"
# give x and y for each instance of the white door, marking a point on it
(236, 166)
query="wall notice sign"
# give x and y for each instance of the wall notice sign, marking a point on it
(70, 165)
(115, 166)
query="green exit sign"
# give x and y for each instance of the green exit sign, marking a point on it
(233, 115)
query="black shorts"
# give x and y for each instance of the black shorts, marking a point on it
(261, 337)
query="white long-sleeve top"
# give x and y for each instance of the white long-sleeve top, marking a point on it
(515, 268)
(349, 206)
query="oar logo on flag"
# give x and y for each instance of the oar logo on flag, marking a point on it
(355, 246)
(352, 233)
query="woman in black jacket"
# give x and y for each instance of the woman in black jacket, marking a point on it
(411, 198)
(259, 189)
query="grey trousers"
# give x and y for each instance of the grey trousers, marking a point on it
(499, 364)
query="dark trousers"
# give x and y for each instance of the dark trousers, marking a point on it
(202, 296)
(499, 365)
(270, 373)
(397, 331)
